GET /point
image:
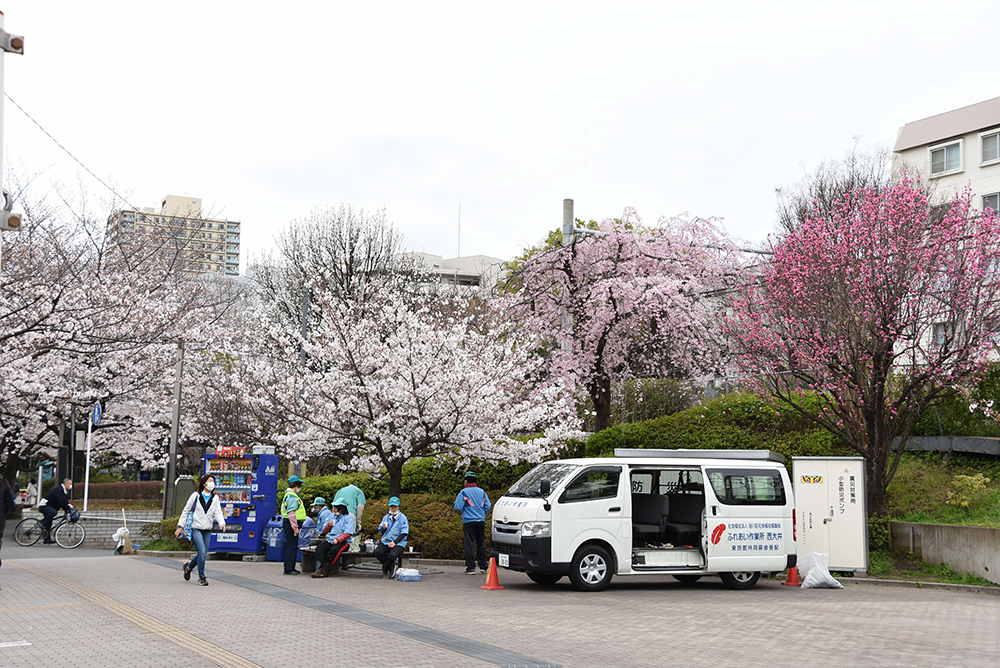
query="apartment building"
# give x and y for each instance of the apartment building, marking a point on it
(178, 232)
(471, 270)
(955, 150)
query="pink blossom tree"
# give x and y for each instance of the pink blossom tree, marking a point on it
(404, 374)
(871, 312)
(628, 300)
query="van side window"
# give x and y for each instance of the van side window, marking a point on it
(595, 483)
(747, 487)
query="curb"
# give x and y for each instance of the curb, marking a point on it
(437, 562)
(916, 584)
(165, 555)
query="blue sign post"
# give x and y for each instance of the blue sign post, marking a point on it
(95, 419)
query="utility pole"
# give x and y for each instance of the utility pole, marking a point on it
(8, 221)
(175, 428)
(568, 222)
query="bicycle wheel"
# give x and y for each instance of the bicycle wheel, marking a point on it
(70, 535)
(28, 532)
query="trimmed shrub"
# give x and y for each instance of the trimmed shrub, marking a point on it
(146, 490)
(734, 421)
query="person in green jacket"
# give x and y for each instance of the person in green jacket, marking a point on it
(293, 511)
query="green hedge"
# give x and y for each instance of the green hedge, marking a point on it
(732, 421)
(145, 490)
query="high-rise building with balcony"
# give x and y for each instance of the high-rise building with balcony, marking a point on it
(178, 233)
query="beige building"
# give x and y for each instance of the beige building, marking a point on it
(471, 270)
(179, 233)
(955, 150)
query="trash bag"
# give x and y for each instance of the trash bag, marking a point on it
(120, 537)
(815, 571)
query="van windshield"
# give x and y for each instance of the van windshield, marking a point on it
(556, 472)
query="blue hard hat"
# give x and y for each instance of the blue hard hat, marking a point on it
(394, 501)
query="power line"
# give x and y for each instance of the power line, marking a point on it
(68, 152)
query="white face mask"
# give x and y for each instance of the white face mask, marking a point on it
(209, 486)
(394, 511)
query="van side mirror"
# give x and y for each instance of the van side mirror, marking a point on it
(545, 487)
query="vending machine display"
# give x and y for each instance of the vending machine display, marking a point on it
(247, 486)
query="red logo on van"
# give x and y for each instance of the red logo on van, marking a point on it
(717, 534)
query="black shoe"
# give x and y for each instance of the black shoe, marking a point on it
(203, 582)
(470, 571)
(48, 542)
(292, 572)
(187, 572)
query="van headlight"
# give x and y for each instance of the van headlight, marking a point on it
(536, 529)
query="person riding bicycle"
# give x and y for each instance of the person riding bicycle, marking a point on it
(56, 500)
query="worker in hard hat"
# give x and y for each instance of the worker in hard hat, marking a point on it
(338, 537)
(323, 514)
(394, 528)
(293, 511)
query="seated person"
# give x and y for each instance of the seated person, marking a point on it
(323, 514)
(394, 528)
(338, 538)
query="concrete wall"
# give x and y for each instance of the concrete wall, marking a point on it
(974, 550)
(99, 531)
(977, 445)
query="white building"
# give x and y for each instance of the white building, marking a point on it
(199, 245)
(472, 270)
(955, 150)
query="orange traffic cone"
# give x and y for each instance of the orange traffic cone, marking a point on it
(492, 580)
(793, 577)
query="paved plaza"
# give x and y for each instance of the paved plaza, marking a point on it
(85, 608)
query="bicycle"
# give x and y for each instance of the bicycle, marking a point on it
(68, 533)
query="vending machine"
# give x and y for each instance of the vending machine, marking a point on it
(247, 486)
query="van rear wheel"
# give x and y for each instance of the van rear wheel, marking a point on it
(592, 568)
(545, 578)
(686, 579)
(740, 579)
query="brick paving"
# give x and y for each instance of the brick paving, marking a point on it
(636, 622)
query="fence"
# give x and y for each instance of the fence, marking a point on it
(974, 550)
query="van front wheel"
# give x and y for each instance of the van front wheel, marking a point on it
(592, 569)
(740, 579)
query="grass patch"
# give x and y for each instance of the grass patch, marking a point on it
(920, 490)
(169, 545)
(888, 566)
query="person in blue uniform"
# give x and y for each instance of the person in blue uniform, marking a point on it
(394, 528)
(338, 537)
(323, 514)
(474, 504)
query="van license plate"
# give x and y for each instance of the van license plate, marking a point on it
(505, 560)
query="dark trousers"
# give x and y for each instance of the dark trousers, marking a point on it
(328, 557)
(475, 532)
(291, 545)
(3, 525)
(48, 514)
(387, 556)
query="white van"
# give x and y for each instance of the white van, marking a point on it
(649, 512)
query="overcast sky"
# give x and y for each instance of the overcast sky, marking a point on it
(270, 110)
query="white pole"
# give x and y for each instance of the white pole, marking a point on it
(2, 53)
(86, 473)
(38, 483)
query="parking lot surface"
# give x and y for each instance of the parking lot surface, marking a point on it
(100, 610)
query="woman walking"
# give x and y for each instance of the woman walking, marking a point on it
(204, 508)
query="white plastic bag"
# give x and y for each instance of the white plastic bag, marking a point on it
(815, 571)
(119, 536)
(408, 575)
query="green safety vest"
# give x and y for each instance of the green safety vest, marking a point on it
(300, 512)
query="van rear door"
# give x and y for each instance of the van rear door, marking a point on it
(748, 518)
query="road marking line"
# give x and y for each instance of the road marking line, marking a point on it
(206, 649)
(14, 643)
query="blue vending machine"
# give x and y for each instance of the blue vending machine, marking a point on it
(247, 486)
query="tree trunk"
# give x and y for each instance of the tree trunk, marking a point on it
(395, 471)
(600, 394)
(12, 466)
(877, 481)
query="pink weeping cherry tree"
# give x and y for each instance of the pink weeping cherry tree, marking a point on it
(872, 312)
